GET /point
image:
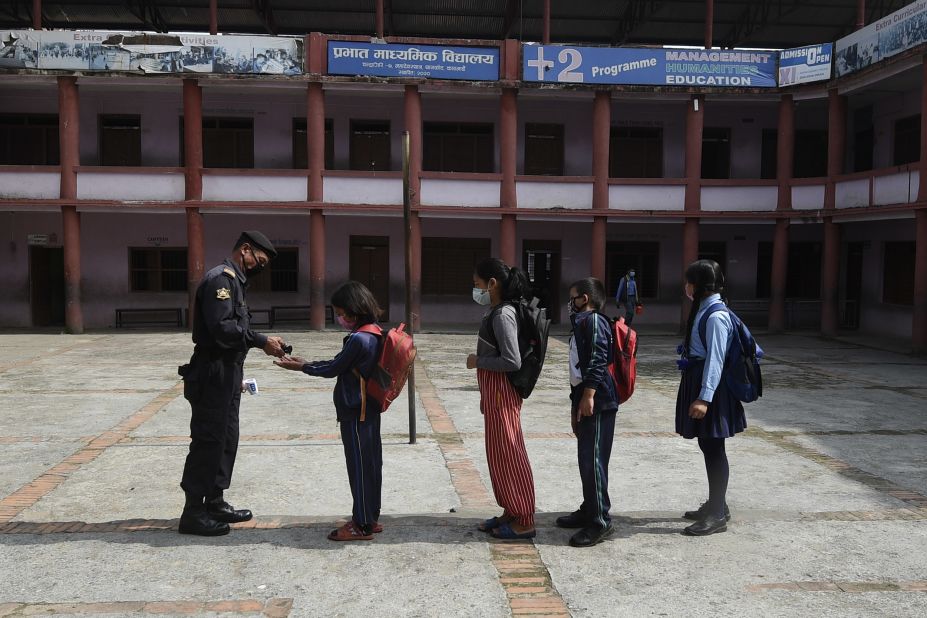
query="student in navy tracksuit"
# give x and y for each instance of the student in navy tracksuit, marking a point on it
(355, 306)
(594, 407)
(705, 408)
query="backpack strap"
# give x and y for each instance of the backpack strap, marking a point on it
(373, 329)
(703, 322)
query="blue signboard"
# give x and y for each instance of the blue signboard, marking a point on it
(805, 64)
(649, 67)
(430, 61)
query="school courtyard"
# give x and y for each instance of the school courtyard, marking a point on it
(828, 491)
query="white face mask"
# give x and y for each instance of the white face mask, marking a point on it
(685, 290)
(481, 296)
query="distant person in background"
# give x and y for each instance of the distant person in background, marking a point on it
(627, 295)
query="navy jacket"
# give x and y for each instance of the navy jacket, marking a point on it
(595, 347)
(221, 322)
(361, 352)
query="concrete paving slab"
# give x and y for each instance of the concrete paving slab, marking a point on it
(23, 462)
(66, 414)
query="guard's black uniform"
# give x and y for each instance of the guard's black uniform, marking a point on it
(212, 381)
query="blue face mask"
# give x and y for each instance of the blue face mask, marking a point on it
(481, 296)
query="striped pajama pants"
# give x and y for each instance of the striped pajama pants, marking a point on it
(509, 468)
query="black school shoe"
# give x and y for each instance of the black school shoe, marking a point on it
(197, 521)
(220, 510)
(704, 527)
(702, 512)
(591, 535)
(576, 519)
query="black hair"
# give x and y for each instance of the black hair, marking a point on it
(356, 300)
(513, 281)
(593, 288)
(705, 276)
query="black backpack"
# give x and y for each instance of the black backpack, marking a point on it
(533, 328)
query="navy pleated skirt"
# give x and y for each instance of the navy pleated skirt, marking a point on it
(725, 413)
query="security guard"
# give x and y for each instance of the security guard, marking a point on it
(213, 381)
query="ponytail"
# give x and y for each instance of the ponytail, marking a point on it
(705, 276)
(512, 280)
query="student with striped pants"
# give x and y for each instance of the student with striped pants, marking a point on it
(496, 285)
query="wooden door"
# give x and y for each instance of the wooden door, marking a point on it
(46, 282)
(541, 261)
(370, 265)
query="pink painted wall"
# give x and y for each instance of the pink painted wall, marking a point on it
(15, 308)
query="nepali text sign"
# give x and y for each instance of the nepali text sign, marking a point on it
(430, 61)
(893, 34)
(649, 67)
(149, 53)
(801, 65)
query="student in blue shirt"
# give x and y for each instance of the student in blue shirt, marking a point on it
(705, 407)
(354, 306)
(627, 295)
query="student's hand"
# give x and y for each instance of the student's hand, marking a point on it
(471, 361)
(698, 409)
(586, 404)
(274, 347)
(293, 363)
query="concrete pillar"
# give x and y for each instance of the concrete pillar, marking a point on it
(317, 270)
(545, 35)
(379, 19)
(193, 139)
(785, 151)
(830, 285)
(508, 145)
(601, 134)
(195, 259)
(780, 266)
(416, 271)
(36, 14)
(860, 14)
(695, 124)
(213, 17)
(836, 143)
(413, 120)
(922, 187)
(69, 148)
(507, 246)
(919, 326)
(597, 248)
(315, 136)
(709, 23)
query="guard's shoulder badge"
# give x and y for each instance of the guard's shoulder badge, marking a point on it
(228, 271)
(223, 294)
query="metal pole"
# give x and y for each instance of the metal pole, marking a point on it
(407, 218)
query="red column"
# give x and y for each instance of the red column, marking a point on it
(545, 36)
(315, 136)
(780, 266)
(919, 322)
(413, 123)
(860, 13)
(508, 152)
(213, 17)
(36, 14)
(316, 270)
(507, 248)
(709, 23)
(379, 19)
(695, 123)
(922, 187)
(601, 132)
(195, 259)
(193, 139)
(836, 143)
(69, 147)
(785, 151)
(831, 271)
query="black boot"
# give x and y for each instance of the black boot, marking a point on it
(702, 511)
(221, 510)
(591, 535)
(710, 525)
(195, 519)
(576, 519)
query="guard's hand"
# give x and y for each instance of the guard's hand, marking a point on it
(471, 361)
(293, 363)
(274, 347)
(698, 409)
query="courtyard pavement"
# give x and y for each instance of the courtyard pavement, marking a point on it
(828, 491)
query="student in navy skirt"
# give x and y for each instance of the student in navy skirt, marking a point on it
(705, 408)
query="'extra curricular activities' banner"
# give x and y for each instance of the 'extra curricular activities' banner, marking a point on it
(431, 61)
(801, 65)
(893, 34)
(649, 67)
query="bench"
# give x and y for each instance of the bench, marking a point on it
(148, 316)
(753, 312)
(296, 313)
(264, 320)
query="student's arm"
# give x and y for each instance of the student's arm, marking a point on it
(505, 328)
(346, 360)
(596, 334)
(621, 284)
(718, 332)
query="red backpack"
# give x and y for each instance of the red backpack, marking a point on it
(623, 367)
(389, 376)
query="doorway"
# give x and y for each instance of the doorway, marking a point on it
(854, 286)
(542, 264)
(370, 265)
(46, 283)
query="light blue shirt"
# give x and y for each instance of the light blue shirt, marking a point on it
(719, 332)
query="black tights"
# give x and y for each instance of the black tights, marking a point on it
(718, 472)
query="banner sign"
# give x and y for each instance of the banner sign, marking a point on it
(893, 34)
(801, 65)
(649, 67)
(149, 53)
(431, 61)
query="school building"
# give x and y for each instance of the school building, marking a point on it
(118, 188)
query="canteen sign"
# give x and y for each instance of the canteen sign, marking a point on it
(429, 61)
(805, 64)
(649, 67)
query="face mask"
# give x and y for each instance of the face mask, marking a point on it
(571, 307)
(481, 296)
(631, 273)
(345, 324)
(685, 291)
(255, 270)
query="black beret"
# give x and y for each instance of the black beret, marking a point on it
(256, 239)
